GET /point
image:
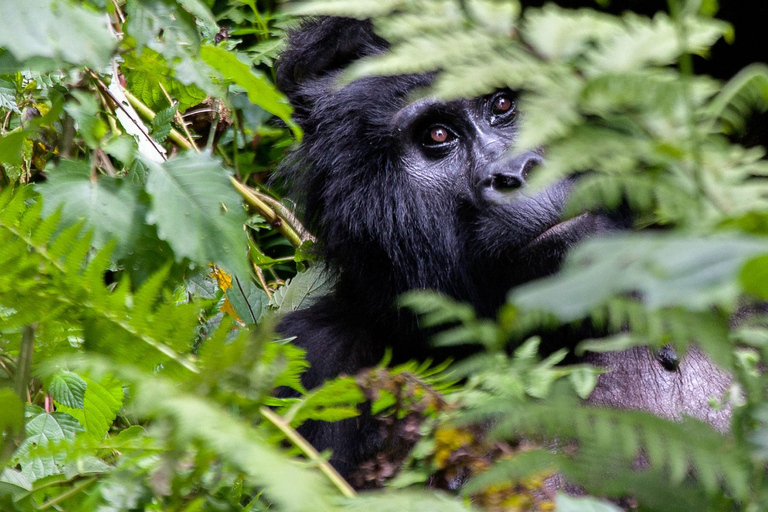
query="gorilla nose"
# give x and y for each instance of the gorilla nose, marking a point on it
(506, 175)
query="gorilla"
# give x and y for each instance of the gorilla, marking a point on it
(409, 192)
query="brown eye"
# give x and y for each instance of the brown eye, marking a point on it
(438, 134)
(501, 105)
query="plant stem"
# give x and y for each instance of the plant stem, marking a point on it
(24, 365)
(259, 202)
(336, 479)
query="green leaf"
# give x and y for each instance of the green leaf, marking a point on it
(301, 291)
(666, 270)
(43, 428)
(85, 111)
(67, 388)
(13, 482)
(406, 501)
(201, 12)
(161, 123)
(145, 73)
(102, 401)
(565, 503)
(260, 90)
(198, 212)
(10, 147)
(754, 277)
(8, 96)
(61, 30)
(11, 420)
(248, 299)
(109, 206)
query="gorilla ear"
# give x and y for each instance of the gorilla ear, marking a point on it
(318, 47)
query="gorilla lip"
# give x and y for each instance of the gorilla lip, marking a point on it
(561, 228)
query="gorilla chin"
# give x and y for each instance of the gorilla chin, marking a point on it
(407, 195)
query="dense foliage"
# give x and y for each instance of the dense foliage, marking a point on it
(144, 262)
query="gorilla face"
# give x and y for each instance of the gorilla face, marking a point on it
(422, 193)
(462, 150)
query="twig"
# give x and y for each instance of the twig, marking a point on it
(180, 120)
(257, 201)
(262, 281)
(63, 496)
(302, 444)
(24, 365)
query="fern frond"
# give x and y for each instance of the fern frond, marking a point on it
(745, 92)
(666, 444)
(57, 280)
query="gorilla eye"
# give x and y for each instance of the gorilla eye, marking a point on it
(502, 104)
(437, 135)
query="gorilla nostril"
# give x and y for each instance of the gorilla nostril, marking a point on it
(506, 182)
(529, 166)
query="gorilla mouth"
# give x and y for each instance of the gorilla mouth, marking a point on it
(568, 231)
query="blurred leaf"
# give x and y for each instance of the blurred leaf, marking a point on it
(260, 91)
(665, 270)
(565, 503)
(754, 277)
(61, 30)
(42, 429)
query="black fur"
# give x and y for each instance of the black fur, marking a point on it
(394, 211)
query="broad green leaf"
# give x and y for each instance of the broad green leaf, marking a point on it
(407, 501)
(248, 299)
(85, 111)
(13, 482)
(260, 91)
(565, 503)
(67, 388)
(302, 291)
(10, 147)
(665, 270)
(11, 421)
(109, 206)
(198, 212)
(8, 96)
(60, 30)
(13, 410)
(201, 12)
(145, 73)
(101, 402)
(754, 277)
(43, 428)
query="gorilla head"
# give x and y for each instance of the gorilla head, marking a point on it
(406, 193)
(415, 194)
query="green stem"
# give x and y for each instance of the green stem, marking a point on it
(309, 451)
(258, 202)
(24, 365)
(68, 494)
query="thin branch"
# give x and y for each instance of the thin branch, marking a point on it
(24, 365)
(257, 200)
(309, 451)
(180, 120)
